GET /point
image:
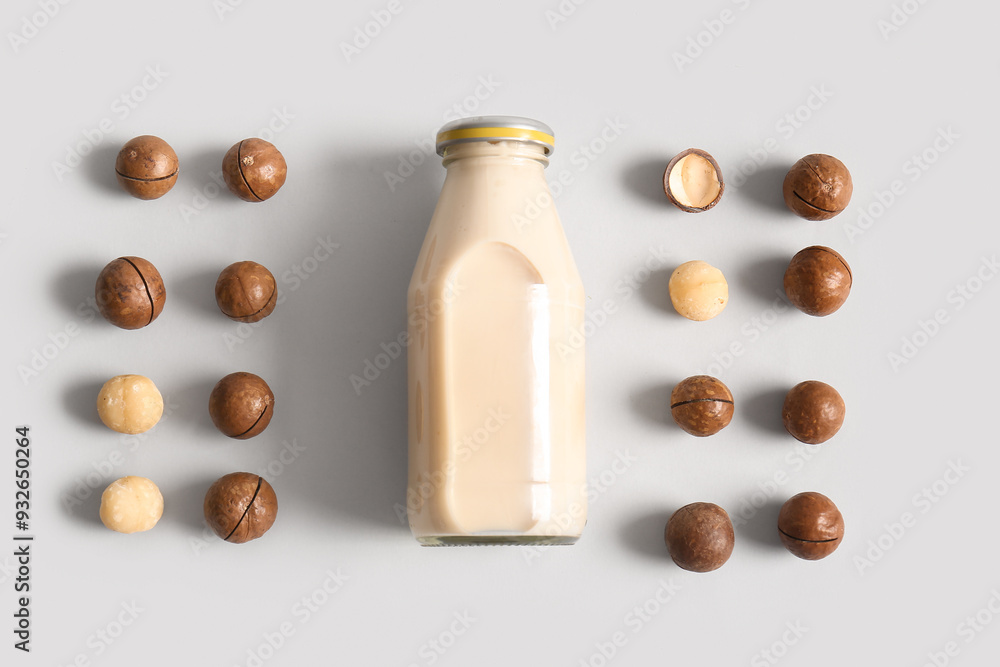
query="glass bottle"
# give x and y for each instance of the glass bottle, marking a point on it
(496, 357)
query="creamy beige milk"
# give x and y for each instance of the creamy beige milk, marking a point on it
(496, 359)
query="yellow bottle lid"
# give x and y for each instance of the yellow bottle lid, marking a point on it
(496, 128)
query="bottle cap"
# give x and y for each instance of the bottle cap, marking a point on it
(495, 128)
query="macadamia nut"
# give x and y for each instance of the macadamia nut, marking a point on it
(698, 290)
(693, 181)
(129, 404)
(131, 505)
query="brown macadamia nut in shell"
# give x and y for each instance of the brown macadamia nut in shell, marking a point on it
(810, 525)
(818, 280)
(817, 187)
(130, 292)
(701, 405)
(813, 412)
(146, 167)
(241, 405)
(240, 507)
(246, 292)
(254, 170)
(693, 181)
(700, 537)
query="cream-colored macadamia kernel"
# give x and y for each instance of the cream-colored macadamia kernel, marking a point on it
(131, 505)
(698, 290)
(129, 404)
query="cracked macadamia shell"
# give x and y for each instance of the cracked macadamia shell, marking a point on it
(693, 181)
(146, 167)
(131, 505)
(701, 405)
(813, 412)
(129, 404)
(810, 525)
(817, 187)
(700, 537)
(246, 292)
(240, 507)
(698, 290)
(241, 405)
(130, 293)
(818, 281)
(254, 170)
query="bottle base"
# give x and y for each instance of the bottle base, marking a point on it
(495, 540)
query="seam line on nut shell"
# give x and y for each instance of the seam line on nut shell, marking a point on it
(256, 312)
(239, 163)
(247, 509)
(146, 180)
(811, 205)
(841, 260)
(802, 539)
(259, 417)
(145, 285)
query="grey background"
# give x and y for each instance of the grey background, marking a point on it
(343, 124)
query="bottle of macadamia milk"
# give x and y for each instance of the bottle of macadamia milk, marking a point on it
(496, 355)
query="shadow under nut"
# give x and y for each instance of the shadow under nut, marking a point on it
(241, 405)
(246, 292)
(240, 507)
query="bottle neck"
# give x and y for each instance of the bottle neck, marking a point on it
(514, 152)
